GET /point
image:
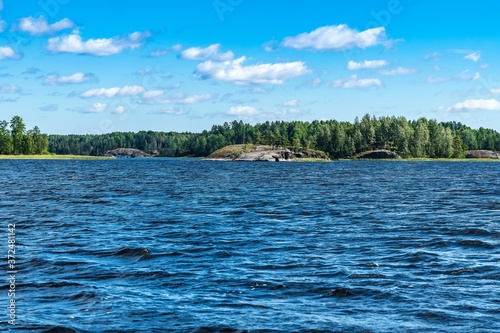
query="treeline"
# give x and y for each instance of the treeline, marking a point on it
(16, 140)
(417, 138)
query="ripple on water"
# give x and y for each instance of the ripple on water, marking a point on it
(162, 245)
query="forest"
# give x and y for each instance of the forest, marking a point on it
(420, 138)
(16, 140)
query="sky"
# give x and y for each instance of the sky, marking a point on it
(91, 67)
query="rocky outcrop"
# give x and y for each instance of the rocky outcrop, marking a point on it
(126, 153)
(379, 154)
(261, 153)
(482, 154)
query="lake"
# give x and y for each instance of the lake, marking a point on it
(185, 245)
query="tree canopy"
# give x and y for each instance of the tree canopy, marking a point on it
(415, 138)
(18, 141)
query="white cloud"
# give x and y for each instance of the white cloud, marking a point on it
(474, 56)
(73, 43)
(157, 97)
(398, 71)
(234, 71)
(71, 79)
(367, 64)
(9, 89)
(193, 99)
(113, 92)
(8, 52)
(40, 26)
(476, 105)
(291, 103)
(243, 111)
(337, 38)
(495, 91)
(94, 108)
(177, 47)
(151, 94)
(119, 109)
(354, 82)
(208, 53)
(175, 111)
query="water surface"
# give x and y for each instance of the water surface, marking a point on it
(164, 245)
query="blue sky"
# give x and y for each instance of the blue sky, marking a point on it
(90, 66)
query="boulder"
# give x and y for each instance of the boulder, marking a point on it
(482, 154)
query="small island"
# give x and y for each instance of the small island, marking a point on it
(266, 153)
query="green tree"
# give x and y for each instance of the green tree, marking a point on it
(6, 146)
(40, 141)
(458, 147)
(18, 131)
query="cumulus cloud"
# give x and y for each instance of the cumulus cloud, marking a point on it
(398, 71)
(477, 105)
(193, 99)
(475, 57)
(113, 92)
(234, 71)
(336, 38)
(175, 111)
(353, 82)
(119, 109)
(94, 108)
(157, 97)
(367, 64)
(495, 91)
(71, 79)
(209, 53)
(73, 43)
(243, 111)
(40, 26)
(6, 52)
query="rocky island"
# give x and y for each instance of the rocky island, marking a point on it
(126, 153)
(264, 153)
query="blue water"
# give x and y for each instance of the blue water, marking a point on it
(163, 245)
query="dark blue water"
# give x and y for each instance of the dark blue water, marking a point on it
(196, 246)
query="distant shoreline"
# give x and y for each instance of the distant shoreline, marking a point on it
(53, 157)
(312, 160)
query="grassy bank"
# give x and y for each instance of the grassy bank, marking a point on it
(52, 157)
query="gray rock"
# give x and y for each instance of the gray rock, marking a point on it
(126, 153)
(482, 154)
